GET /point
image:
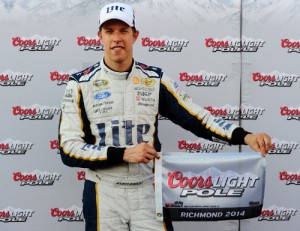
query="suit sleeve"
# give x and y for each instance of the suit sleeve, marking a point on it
(177, 106)
(77, 144)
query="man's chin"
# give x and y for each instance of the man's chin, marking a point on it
(119, 60)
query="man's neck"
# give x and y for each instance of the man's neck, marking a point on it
(119, 67)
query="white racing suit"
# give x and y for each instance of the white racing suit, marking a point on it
(103, 112)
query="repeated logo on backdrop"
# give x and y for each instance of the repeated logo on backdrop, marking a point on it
(90, 43)
(11, 78)
(291, 45)
(229, 44)
(35, 43)
(14, 147)
(35, 112)
(283, 147)
(275, 213)
(61, 78)
(54, 145)
(71, 214)
(81, 175)
(11, 214)
(228, 112)
(290, 178)
(290, 112)
(274, 79)
(36, 178)
(164, 44)
(200, 145)
(202, 79)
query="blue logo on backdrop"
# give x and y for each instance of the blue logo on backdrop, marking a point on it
(102, 95)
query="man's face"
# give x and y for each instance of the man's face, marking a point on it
(118, 39)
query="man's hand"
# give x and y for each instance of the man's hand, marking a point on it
(260, 142)
(141, 153)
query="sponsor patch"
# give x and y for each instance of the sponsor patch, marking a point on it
(102, 95)
(136, 80)
(148, 82)
(101, 83)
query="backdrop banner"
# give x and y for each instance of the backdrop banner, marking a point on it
(209, 187)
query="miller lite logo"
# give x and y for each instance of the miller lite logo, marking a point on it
(114, 8)
(120, 11)
(115, 126)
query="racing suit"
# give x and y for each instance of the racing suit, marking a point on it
(103, 112)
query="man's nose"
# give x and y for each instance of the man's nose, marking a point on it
(116, 38)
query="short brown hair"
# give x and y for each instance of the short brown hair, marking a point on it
(133, 28)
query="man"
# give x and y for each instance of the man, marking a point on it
(106, 128)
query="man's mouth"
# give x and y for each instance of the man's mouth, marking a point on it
(116, 48)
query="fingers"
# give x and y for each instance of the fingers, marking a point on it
(262, 143)
(150, 154)
(150, 150)
(268, 142)
(141, 153)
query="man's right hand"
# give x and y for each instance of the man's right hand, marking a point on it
(141, 153)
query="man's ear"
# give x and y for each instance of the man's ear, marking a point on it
(136, 35)
(99, 35)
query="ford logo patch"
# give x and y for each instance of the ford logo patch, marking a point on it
(102, 95)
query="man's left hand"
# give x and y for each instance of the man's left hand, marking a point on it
(260, 142)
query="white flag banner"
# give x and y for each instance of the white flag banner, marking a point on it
(209, 187)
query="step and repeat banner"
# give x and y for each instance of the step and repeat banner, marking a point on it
(239, 59)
